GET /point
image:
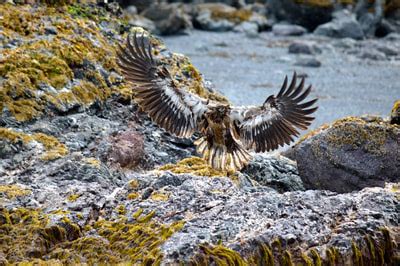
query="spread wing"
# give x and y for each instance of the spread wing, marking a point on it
(173, 109)
(276, 122)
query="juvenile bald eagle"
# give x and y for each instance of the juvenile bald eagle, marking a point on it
(228, 131)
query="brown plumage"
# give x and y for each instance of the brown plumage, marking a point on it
(228, 132)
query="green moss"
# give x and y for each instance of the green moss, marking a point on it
(80, 11)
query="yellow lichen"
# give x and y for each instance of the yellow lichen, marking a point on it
(13, 191)
(231, 14)
(159, 196)
(92, 161)
(14, 136)
(134, 184)
(192, 165)
(133, 195)
(121, 209)
(73, 197)
(36, 70)
(54, 149)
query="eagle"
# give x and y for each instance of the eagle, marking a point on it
(228, 132)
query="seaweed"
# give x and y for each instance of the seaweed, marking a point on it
(27, 237)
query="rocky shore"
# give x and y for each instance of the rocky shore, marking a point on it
(86, 177)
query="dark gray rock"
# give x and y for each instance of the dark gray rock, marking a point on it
(288, 30)
(302, 47)
(131, 10)
(143, 22)
(368, 23)
(350, 154)
(343, 25)
(277, 172)
(169, 18)
(308, 61)
(261, 21)
(309, 16)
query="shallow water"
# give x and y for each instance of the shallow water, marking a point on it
(248, 70)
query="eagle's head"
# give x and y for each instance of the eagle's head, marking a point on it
(218, 113)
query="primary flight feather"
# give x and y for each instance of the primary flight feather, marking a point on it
(228, 132)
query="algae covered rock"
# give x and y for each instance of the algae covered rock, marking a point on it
(350, 154)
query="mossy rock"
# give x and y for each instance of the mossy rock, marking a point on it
(75, 68)
(28, 237)
(395, 114)
(350, 154)
(52, 147)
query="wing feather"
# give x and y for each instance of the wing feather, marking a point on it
(173, 109)
(278, 120)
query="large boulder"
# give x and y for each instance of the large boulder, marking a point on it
(168, 18)
(220, 17)
(309, 15)
(343, 25)
(258, 223)
(350, 154)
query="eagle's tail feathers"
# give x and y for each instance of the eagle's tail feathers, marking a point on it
(222, 158)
